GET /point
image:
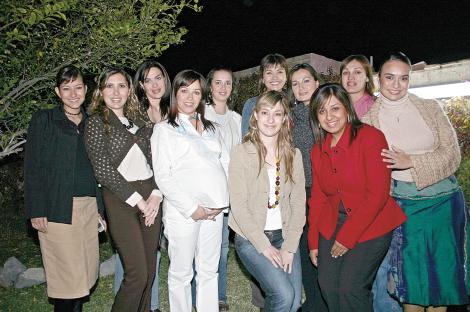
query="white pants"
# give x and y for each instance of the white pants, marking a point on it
(199, 241)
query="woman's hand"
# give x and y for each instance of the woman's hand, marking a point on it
(338, 250)
(287, 259)
(212, 213)
(273, 255)
(39, 224)
(151, 212)
(103, 222)
(142, 205)
(314, 256)
(150, 220)
(154, 202)
(199, 214)
(397, 158)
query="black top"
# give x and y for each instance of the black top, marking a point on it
(302, 136)
(49, 167)
(83, 172)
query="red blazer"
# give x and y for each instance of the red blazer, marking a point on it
(355, 174)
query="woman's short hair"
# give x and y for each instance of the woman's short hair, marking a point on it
(67, 74)
(320, 98)
(269, 61)
(370, 86)
(139, 78)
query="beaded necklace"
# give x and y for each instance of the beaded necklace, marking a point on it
(277, 188)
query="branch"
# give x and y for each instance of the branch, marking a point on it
(14, 144)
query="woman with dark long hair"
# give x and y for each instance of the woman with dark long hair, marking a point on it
(351, 212)
(152, 88)
(190, 164)
(428, 253)
(221, 83)
(62, 197)
(117, 138)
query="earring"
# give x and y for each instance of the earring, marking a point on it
(349, 119)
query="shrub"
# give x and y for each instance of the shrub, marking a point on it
(458, 110)
(463, 176)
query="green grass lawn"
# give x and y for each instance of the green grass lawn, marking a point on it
(14, 241)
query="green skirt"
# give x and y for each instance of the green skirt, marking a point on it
(429, 251)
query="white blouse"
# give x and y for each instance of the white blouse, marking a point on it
(273, 215)
(230, 125)
(190, 169)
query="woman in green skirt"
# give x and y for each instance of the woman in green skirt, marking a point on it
(427, 255)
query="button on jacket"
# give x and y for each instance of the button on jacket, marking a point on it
(355, 174)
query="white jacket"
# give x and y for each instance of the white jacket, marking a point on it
(190, 169)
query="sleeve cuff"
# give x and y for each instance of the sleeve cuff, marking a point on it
(189, 212)
(157, 193)
(134, 199)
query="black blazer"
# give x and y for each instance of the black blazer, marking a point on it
(48, 175)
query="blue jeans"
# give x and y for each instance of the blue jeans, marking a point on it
(222, 265)
(383, 302)
(283, 291)
(119, 275)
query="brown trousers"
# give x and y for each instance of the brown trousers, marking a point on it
(137, 245)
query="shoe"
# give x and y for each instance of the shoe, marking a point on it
(156, 310)
(223, 306)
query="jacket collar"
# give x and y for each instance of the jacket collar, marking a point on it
(115, 122)
(343, 142)
(59, 114)
(250, 148)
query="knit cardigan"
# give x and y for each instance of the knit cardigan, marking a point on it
(443, 161)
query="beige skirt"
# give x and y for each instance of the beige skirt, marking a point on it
(70, 252)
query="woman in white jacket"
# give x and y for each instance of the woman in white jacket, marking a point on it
(190, 163)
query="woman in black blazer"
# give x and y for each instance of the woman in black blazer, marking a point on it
(62, 198)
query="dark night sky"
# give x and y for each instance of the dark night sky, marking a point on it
(238, 33)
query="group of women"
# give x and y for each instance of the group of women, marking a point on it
(379, 195)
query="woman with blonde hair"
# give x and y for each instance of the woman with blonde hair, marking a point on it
(267, 197)
(117, 138)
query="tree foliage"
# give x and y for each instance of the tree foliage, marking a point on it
(39, 36)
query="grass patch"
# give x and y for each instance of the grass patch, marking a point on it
(16, 242)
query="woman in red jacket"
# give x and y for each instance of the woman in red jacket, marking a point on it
(351, 212)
